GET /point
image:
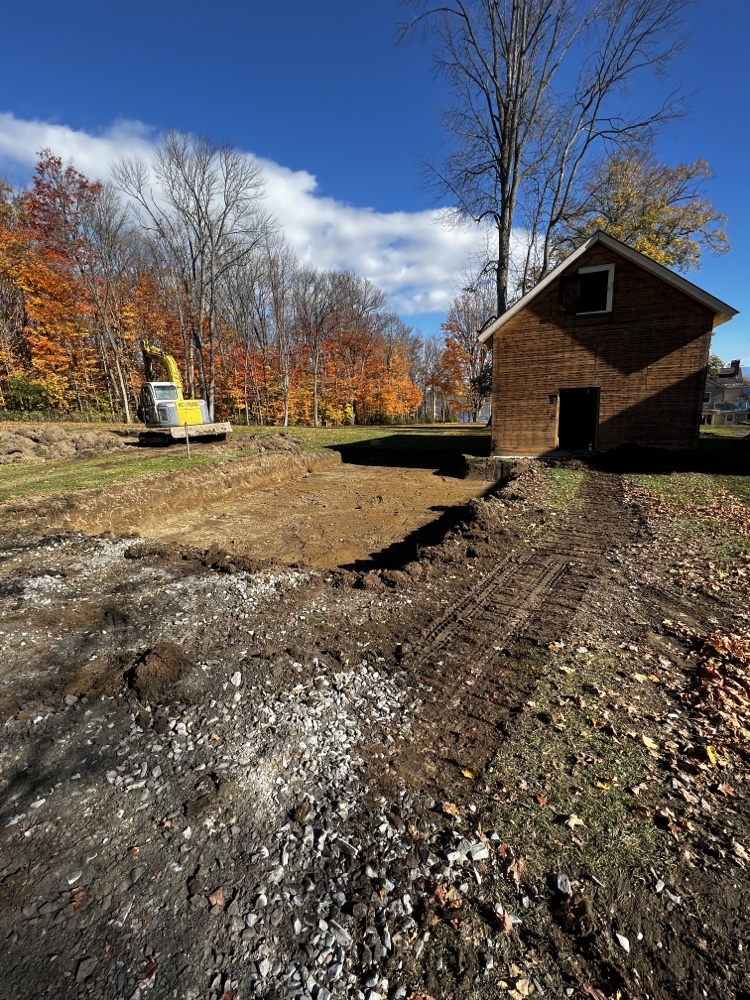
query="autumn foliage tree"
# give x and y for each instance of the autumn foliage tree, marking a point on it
(659, 210)
(467, 362)
(199, 270)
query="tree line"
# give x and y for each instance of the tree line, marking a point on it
(183, 253)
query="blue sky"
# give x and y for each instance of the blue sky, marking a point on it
(340, 114)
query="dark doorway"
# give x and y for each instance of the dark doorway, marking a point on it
(578, 419)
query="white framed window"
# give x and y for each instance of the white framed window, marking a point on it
(589, 291)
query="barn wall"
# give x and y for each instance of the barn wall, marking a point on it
(648, 358)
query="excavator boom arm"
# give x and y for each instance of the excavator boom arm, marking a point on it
(154, 357)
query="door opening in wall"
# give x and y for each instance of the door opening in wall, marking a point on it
(578, 419)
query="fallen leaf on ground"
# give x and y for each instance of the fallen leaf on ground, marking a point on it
(573, 821)
(523, 988)
(149, 969)
(217, 897)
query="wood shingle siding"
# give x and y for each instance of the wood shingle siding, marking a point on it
(647, 358)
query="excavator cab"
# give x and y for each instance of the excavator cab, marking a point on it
(162, 406)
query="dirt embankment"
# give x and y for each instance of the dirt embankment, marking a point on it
(140, 504)
(46, 442)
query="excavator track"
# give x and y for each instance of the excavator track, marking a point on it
(463, 666)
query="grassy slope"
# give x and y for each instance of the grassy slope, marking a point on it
(48, 478)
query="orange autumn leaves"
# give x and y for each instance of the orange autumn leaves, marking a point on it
(82, 281)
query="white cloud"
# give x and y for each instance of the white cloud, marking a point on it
(413, 256)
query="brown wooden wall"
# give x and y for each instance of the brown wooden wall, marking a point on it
(648, 358)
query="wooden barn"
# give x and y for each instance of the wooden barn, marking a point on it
(610, 348)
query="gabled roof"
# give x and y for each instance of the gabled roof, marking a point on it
(722, 312)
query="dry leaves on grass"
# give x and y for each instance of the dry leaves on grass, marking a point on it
(721, 687)
(688, 559)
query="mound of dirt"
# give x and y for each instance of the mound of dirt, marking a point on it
(163, 675)
(19, 443)
(271, 442)
(214, 558)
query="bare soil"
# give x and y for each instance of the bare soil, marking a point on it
(44, 442)
(336, 515)
(222, 780)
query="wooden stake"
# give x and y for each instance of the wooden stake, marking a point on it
(187, 440)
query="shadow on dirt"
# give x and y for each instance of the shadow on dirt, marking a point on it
(713, 456)
(408, 549)
(419, 449)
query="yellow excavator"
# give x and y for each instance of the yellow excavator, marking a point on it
(162, 407)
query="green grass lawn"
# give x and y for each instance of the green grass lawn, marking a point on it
(564, 488)
(425, 443)
(414, 437)
(696, 487)
(48, 478)
(725, 432)
(712, 516)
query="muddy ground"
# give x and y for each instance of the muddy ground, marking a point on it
(457, 757)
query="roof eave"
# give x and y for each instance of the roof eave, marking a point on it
(721, 310)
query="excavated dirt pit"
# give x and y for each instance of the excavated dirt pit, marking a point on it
(273, 508)
(329, 517)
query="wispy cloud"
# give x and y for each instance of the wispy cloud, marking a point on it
(413, 256)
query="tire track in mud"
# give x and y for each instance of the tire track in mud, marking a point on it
(464, 666)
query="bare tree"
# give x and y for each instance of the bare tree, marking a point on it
(203, 203)
(314, 309)
(245, 305)
(361, 312)
(106, 267)
(281, 266)
(468, 359)
(538, 84)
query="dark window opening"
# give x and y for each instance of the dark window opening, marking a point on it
(582, 293)
(578, 419)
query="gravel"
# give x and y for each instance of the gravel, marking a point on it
(125, 818)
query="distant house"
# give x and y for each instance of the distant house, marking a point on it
(609, 348)
(726, 398)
